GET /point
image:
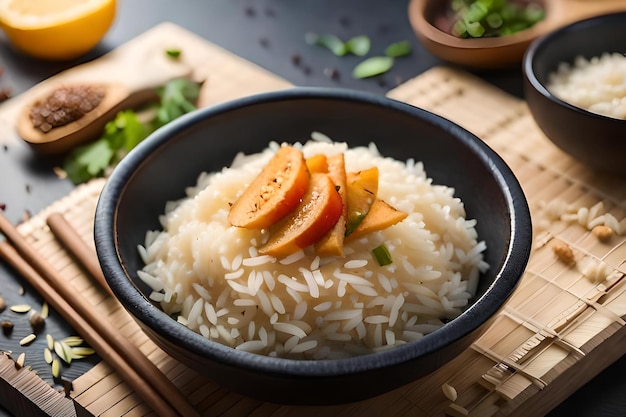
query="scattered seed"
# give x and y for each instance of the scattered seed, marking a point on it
(56, 368)
(449, 391)
(63, 351)
(45, 310)
(21, 291)
(19, 363)
(602, 232)
(563, 251)
(73, 341)
(296, 59)
(27, 188)
(20, 308)
(37, 322)
(3, 304)
(7, 327)
(47, 355)
(250, 11)
(80, 352)
(331, 73)
(50, 341)
(3, 206)
(457, 410)
(28, 339)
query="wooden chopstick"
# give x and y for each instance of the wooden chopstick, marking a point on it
(97, 342)
(75, 245)
(131, 354)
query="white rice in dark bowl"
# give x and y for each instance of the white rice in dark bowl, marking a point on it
(209, 275)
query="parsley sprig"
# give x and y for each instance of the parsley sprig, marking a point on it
(128, 129)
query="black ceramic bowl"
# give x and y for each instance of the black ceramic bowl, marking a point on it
(596, 140)
(161, 167)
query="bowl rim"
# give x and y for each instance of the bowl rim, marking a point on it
(471, 319)
(530, 58)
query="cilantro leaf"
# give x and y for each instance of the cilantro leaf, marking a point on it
(127, 130)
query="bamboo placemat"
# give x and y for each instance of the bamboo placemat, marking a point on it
(561, 327)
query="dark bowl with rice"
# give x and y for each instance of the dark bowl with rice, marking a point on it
(284, 363)
(568, 77)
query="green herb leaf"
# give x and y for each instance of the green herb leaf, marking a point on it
(127, 130)
(359, 45)
(173, 53)
(332, 42)
(373, 66)
(382, 255)
(398, 49)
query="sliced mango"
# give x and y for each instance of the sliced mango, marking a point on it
(274, 193)
(332, 243)
(316, 214)
(317, 163)
(380, 216)
(361, 191)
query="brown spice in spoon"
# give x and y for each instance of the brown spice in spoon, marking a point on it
(65, 105)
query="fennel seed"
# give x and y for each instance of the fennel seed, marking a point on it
(20, 308)
(19, 363)
(28, 339)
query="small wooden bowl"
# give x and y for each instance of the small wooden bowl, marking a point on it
(500, 52)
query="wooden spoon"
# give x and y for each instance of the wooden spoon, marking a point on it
(62, 139)
(498, 52)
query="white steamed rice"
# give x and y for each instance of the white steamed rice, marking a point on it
(597, 84)
(304, 306)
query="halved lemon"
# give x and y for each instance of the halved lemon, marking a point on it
(56, 29)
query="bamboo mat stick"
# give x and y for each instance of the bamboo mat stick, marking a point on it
(96, 341)
(74, 244)
(134, 357)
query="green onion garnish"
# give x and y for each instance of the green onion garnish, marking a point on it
(382, 255)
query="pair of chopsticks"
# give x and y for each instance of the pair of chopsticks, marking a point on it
(141, 374)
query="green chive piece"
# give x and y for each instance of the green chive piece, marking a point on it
(373, 66)
(382, 255)
(173, 53)
(359, 45)
(331, 42)
(398, 49)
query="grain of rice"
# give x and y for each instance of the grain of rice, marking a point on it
(237, 261)
(289, 328)
(319, 277)
(210, 313)
(254, 346)
(376, 319)
(243, 302)
(277, 304)
(293, 284)
(351, 278)
(393, 315)
(390, 337)
(293, 258)
(325, 306)
(304, 346)
(314, 290)
(234, 275)
(315, 264)
(269, 280)
(355, 264)
(300, 310)
(258, 260)
(204, 331)
(365, 290)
